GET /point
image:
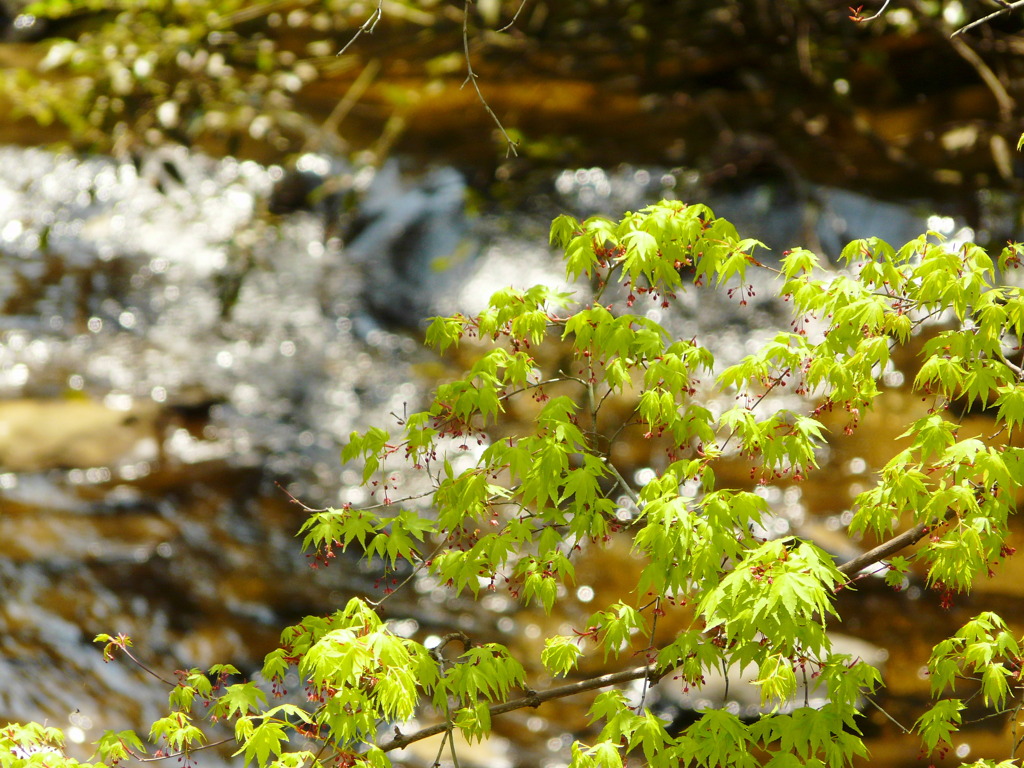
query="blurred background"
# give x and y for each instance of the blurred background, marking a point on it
(219, 242)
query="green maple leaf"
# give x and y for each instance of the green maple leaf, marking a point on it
(265, 740)
(239, 699)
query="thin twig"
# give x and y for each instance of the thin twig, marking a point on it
(725, 678)
(368, 508)
(1006, 102)
(1017, 370)
(650, 647)
(144, 668)
(451, 748)
(440, 747)
(294, 500)
(757, 401)
(557, 379)
(896, 722)
(1007, 7)
(1013, 730)
(182, 753)
(415, 572)
(368, 26)
(514, 17)
(471, 78)
(860, 19)
(623, 484)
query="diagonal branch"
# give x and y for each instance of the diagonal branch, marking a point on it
(858, 18)
(367, 26)
(1007, 7)
(890, 547)
(514, 17)
(534, 699)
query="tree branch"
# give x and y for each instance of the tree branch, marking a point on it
(1007, 7)
(183, 753)
(471, 78)
(650, 671)
(890, 547)
(514, 17)
(367, 26)
(968, 54)
(534, 699)
(859, 19)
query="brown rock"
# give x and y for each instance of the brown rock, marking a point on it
(49, 434)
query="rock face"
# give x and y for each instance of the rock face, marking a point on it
(65, 434)
(414, 244)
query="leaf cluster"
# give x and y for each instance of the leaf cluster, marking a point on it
(143, 73)
(513, 506)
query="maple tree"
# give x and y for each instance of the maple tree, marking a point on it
(489, 503)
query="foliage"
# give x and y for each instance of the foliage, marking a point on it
(146, 72)
(518, 510)
(225, 74)
(263, 78)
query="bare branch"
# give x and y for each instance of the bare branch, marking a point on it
(1007, 104)
(890, 547)
(860, 19)
(368, 26)
(1006, 8)
(514, 17)
(626, 488)
(462, 637)
(471, 78)
(893, 720)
